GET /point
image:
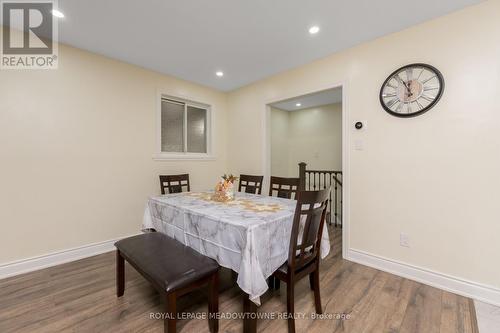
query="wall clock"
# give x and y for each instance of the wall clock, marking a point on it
(412, 90)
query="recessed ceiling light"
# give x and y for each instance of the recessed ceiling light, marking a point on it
(298, 104)
(314, 29)
(219, 73)
(57, 13)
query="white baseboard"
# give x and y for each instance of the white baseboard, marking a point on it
(56, 258)
(449, 283)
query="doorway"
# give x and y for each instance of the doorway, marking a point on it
(306, 139)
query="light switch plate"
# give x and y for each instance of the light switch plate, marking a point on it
(358, 144)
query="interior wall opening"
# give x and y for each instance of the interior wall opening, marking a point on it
(305, 141)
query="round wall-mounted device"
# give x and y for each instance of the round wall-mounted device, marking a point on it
(358, 125)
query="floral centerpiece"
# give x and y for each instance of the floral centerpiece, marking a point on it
(224, 190)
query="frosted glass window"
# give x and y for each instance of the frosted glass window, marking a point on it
(172, 126)
(196, 130)
(184, 127)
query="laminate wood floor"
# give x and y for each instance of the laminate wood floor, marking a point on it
(80, 297)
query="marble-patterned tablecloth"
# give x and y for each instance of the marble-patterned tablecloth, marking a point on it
(250, 235)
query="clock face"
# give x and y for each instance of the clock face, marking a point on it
(411, 90)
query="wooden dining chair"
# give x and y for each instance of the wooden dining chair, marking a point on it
(284, 187)
(174, 183)
(304, 253)
(251, 184)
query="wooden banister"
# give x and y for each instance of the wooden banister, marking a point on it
(302, 175)
(312, 180)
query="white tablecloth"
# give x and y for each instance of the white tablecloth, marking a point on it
(250, 235)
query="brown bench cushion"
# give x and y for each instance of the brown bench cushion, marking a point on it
(166, 262)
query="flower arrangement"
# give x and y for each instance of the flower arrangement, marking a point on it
(224, 190)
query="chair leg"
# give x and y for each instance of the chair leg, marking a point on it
(234, 276)
(120, 274)
(317, 296)
(273, 283)
(213, 303)
(276, 283)
(311, 281)
(290, 303)
(270, 282)
(170, 322)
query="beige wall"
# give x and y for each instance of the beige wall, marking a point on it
(436, 176)
(312, 135)
(316, 138)
(76, 148)
(280, 150)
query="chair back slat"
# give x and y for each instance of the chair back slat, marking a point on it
(284, 187)
(174, 183)
(250, 184)
(307, 229)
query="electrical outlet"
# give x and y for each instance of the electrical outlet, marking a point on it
(404, 239)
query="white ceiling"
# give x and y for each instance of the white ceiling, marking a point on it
(247, 39)
(325, 97)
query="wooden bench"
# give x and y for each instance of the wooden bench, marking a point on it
(173, 269)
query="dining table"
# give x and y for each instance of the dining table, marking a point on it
(249, 235)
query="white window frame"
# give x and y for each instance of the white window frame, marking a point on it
(159, 155)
